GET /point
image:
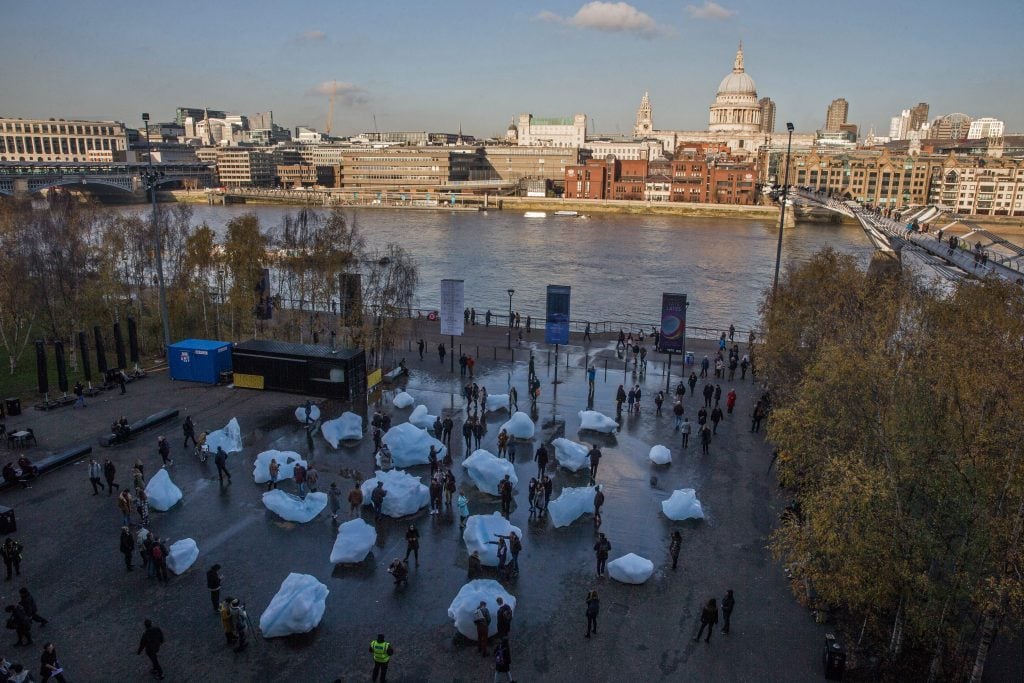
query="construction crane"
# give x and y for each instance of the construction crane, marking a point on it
(330, 107)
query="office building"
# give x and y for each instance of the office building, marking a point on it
(62, 140)
(836, 115)
(985, 128)
(767, 115)
(551, 132)
(244, 167)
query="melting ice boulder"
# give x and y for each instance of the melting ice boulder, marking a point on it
(486, 470)
(295, 509)
(571, 504)
(630, 569)
(481, 529)
(229, 438)
(403, 400)
(348, 427)
(298, 607)
(497, 402)
(660, 455)
(182, 554)
(597, 422)
(405, 496)
(314, 413)
(354, 541)
(682, 504)
(519, 426)
(469, 598)
(410, 445)
(286, 459)
(571, 455)
(420, 418)
(161, 491)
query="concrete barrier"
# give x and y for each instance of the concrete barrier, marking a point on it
(141, 425)
(52, 462)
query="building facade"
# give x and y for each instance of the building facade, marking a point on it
(836, 114)
(644, 118)
(736, 110)
(767, 115)
(551, 132)
(980, 186)
(62, 140)
(874, 177)
(245, 167)
(985, 128)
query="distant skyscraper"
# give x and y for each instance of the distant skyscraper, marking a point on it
(899, 126)
(644, 119)
(950, 127)
(918, 116)
(262, 120)
(767, 115)
(836, 114)
(985, 128)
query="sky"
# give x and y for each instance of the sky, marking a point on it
(449, 64)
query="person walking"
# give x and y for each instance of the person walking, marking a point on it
(709, 392)
(20, 623)
(620, 398)
(708, 618)
(127, 546)
(479, 430)
(756, 417)
(678, 411)
(686, 429)
(95, 472)
(213, 583)
(546, 485)
(598, 503)
(28, 603)
(377, 498)
(334, 500)
(355, 499)
(591, 377)
(189, 429)
(482, 621)
(716, 417)
(142, 507)
(159, 560)
(152, 639)
(239, 623)
(505, 492)
(109, 472)
(659, 398)
(515, 546)
(503, 660)
(226, 623)
(49, 666)
(421, 345)
(728, 602)
(441, 352)
(382, 653)
(730, 401)
(601, 550)
(274, 469)
(11, 552)
(595, 459)
(593, 608)
(164, 449)
(504, 618)
(446, 432)
(541, 458)
(299, 475)
(692, 381)
(705, 440)
(463, 504)
(674, 546)
(412, 544)
(436, 492)
(503, 443)
(221, 460)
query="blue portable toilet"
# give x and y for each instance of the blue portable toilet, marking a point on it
(199, 360)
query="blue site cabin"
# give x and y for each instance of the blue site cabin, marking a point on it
(199, 360)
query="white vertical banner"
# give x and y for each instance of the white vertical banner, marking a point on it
(452, 304)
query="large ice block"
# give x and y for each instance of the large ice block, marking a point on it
(292, 508)
(571, 455)
(487, 470)
(182, 555)
(161, 491)
(354, 542)
(481, 530)
(468, 599)
(348, 427)
(571, 504)
(421, 418)
(403, 400)
(519, 426)
(410, 445)
(660, 455)
(597, 422)
(406, 495)
(229, 438)
(286, 459)
(314, 413)
(682, 504)
(297, 607)
(630, 569)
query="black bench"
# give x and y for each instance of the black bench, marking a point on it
(52, 462)
(140, 425)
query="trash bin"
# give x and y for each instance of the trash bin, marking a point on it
(8, 525)
(834, 658)
(13, 406)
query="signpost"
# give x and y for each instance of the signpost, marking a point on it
(672, 338)
(556, 324)
(452, 306)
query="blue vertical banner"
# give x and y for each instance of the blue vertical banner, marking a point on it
(556, 328)
(673, 323)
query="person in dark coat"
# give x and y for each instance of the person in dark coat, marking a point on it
(189, 429)
(127, 546)
(728, 602)
(11, 552)
(503, 659)
(152, 639)
(674, 546)
(601, 550)
(213, 582)
(593, 607)
(708, 618)
(28, 603)
(48, 665)
(20, 623)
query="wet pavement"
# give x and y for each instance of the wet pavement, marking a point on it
(74, 569)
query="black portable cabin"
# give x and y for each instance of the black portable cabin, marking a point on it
(300, 368)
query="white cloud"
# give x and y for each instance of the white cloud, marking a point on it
(344, 93)
(611, 17)
(710, 10)
(314, 36)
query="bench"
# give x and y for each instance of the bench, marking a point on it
(140, 425)
(397, 372)
(52, 462)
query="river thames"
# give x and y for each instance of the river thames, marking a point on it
(617, 265)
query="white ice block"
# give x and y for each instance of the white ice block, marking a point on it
(354, 542)
(682, 504)
(481, 529)
(410, 445)
(421, 418)
(660, 455)
(348, 427)
(487, 470)
(519, 426)
(314, 413)
(496, 402)
(571, 504)
(229, 438)
(468, 599)
(161, 491)
(182, 555)
(286, 459)
(571, 455)
(405, 496)
(403, 400)
(297, 607)
(630, 569)
(597, 422)
(292, 508)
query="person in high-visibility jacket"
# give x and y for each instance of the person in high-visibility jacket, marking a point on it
(382, 652)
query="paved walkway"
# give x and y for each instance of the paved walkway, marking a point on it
(73, 567)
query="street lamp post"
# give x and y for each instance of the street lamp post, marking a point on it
(782, 215)
(510, 293)
(151, 178)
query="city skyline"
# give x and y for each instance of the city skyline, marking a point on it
(470, 66)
